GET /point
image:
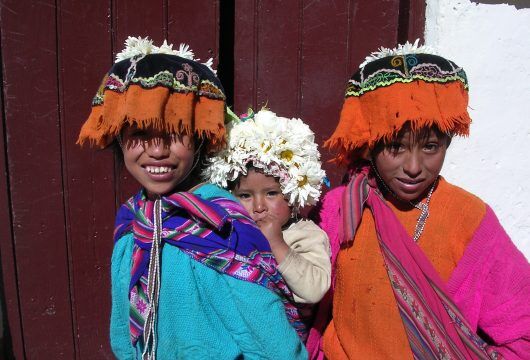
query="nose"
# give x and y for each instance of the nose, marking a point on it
(259, 204)
(157, 148)
(412, 164)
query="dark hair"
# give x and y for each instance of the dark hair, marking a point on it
(200, 157)
(233, 184)
(118, 152)
(418, 134)
(361, 156)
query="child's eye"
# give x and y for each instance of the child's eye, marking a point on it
(273, 193)
(395, 147)
(243, 196)
(431, 147)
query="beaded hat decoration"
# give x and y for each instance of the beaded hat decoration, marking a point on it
(280, 147)
(408, 84)
(160, 87)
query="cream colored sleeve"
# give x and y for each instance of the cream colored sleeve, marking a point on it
(307, 266)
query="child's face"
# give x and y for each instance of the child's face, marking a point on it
(262, 197)
(157, 160)
(411, 162)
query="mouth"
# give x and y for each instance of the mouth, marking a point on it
(159, 173)
(259, 219)
(156, 170)
(410, 181)
(410, 185)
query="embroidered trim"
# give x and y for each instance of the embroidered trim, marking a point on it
(427, 72)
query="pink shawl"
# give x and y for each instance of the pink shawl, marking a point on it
(490, 285)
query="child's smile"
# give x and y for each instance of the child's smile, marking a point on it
(158, 161)
(410, 163)
(158, 170)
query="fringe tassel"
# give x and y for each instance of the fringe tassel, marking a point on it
(183, 113)
(382, 113)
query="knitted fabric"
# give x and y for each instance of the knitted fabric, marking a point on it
(202, 312)
(306, 268)
(482, 279)
(221, 317)
(208, 231)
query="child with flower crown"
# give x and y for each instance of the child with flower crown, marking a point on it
(272, 166)
(192, 275)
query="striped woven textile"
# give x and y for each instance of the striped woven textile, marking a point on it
(216, 232)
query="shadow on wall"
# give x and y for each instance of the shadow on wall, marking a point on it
(519, 4)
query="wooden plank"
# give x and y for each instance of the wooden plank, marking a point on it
(9, 291)
(195, 22)
(88, 173)
(245, 55)
(267, 55)
(297, 56)
(325, 70)
(278, 62)
(35, 176)
(411, 20)
(372, 24)
(138, 18)
(416, 28)
(226, 37)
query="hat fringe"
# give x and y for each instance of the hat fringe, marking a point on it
(382, 113)
(160, 108)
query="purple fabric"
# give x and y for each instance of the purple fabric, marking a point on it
(216, 232)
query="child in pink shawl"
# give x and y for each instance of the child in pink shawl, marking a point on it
(422, 268)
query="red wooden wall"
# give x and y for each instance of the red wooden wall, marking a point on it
(296, 56)
(57, 201)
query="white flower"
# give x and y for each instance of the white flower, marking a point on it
(166, 48)
(135, 46)
(209, 64)
(402, 49)
(185, 52)
(281, 147)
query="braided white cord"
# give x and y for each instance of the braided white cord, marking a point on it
(153, 287)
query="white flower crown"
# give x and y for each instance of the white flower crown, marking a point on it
(402, 49)
(280, 147)
(144, 46)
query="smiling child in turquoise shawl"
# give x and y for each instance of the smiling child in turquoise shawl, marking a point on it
(192, 275)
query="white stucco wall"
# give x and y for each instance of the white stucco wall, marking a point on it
(492, 44)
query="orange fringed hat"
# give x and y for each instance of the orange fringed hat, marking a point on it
(159, 87)
(398, 86)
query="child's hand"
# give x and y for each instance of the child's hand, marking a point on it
(271, 226)
(262, 196)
